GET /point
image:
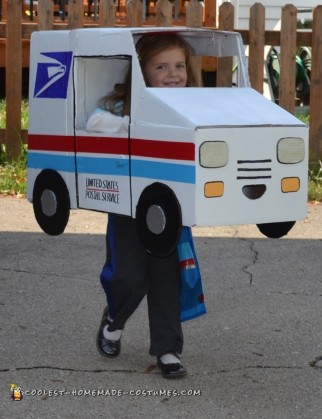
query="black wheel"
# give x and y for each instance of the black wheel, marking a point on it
(51, 202)
(158, 219)
(276, 230)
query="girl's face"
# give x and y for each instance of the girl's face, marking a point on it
(167, 69)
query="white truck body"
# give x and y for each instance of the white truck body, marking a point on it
(228, 155)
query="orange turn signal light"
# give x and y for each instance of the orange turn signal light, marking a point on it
(290, 184)
(214, 189)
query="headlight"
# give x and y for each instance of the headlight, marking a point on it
(213, 154)
(290, 150)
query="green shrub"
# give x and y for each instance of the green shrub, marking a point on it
(24, 114)
(13, 175)
(315, 182)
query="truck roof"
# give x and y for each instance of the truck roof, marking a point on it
(96, 41)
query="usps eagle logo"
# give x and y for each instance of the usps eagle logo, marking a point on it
(52, 76)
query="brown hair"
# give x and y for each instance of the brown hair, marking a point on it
(122, 91)
(148, 46)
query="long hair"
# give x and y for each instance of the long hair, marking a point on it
(150, 45)
(147, 47)
(121, 92)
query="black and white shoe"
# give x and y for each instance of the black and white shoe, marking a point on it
(106, 347)
(173, 369)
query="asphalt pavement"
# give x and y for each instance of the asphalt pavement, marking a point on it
(257, 353)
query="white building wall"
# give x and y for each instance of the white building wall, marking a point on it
(272, 11)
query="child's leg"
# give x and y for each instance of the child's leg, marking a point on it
(164, 305)
(123, 277)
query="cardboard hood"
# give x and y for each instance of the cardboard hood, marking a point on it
(209, 107)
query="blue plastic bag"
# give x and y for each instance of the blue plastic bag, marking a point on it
(191, 290)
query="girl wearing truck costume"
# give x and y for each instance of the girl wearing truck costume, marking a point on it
(130, 272)
(203, 156)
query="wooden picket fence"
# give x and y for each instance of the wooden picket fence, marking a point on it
(15, 35)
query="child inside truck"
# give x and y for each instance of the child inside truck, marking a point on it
(130, 272)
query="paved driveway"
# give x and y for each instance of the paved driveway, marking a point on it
(256, 354)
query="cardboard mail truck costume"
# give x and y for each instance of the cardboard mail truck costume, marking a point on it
(193, 156)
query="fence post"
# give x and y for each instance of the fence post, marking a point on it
(194, 14)
(107, 13)
(75, 14)
(225, 64)
(209, 64)
(288, 53)
(4, 10)
(210, 13)
(13, 78)
(256, 46)
(45, 15)
(134, 13)
(316, 87)
(194, 20)
(163, 13)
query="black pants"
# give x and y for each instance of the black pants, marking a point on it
(130, 273)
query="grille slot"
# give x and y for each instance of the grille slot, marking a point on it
(254, 169)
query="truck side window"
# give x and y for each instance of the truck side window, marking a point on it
(94, 77)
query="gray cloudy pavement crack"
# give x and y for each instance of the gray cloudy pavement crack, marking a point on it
(254, 253)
